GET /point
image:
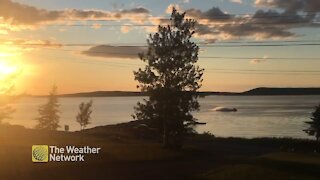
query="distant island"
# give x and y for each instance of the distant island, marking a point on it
(261, 91)
(282, 91)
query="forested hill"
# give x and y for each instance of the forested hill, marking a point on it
(282, 91)
(253, 92)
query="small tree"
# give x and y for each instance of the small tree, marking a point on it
(171, 79)
(314, 129)
(49, 112)
(84, 115)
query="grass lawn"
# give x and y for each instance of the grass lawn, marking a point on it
(123, 156)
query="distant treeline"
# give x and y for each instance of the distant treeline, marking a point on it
(282, 91)
(262, 91)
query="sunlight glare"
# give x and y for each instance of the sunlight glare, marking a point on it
(6, 69)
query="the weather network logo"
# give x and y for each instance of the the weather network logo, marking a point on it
(40, 153)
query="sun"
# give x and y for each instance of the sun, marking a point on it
(11, 68)
(7, 76)
(6, 69)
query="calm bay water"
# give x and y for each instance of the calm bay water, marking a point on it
(257, 116)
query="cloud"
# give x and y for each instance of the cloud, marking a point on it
(272, 16)
(264, 25)
(236, 1)
(291, 5)
(20, 16)
(18, 13)
(108, 51)
(214, 24)
(258, 32)
(212, 15)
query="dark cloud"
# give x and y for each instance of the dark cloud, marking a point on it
(86, 14)
(213, 14)
(253, 30)
(97, 14)
(202, 29)
(215, 24)
(291, 5)
(108, 51)
(135, 11)
(272, 16)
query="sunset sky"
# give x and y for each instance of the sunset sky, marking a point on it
(83, 45)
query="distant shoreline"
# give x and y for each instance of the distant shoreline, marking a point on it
(262, 91)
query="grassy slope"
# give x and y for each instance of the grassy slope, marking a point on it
(125, 157)
(276, 166)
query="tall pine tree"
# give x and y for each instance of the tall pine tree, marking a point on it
(49, 112)
(171, 79)
(314, 124)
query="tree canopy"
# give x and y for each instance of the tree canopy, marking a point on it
(49, 112)
(171, 78)
(314, 124)
(84, 115)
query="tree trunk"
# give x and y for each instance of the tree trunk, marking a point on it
(165, 137)
(178, 140)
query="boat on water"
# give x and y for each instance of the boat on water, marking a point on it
(225, 109)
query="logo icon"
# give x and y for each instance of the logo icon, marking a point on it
(40, 153)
